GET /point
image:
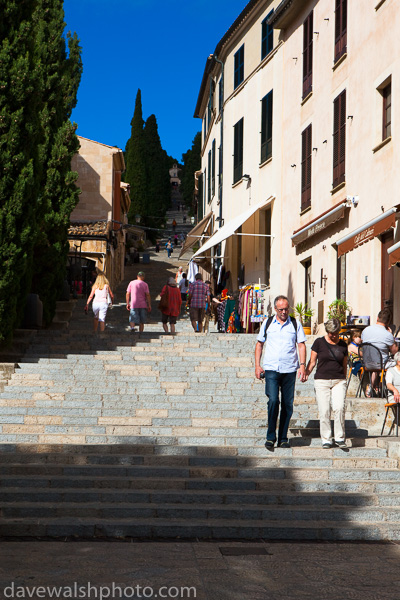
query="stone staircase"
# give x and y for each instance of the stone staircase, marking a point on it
(158, 436)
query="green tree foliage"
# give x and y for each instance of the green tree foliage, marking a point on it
(38, 85)
(158, 181)
(191, 164)
(135, 173)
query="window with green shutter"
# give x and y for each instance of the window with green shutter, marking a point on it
(267, 36)
(239, 67)
(266, 127)
(238, 151)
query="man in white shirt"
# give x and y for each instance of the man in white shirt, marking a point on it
(280, 364)
(380, 336)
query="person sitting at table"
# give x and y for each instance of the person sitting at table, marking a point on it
(393, 380)
(354, 356)
(380, 336)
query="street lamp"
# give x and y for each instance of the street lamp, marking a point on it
(137, 218)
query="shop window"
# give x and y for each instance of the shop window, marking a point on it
(267, 36)
(239, 67)
(266, 127)
(339, 139)
(387, 111)
(306, 156)
(340, 29)
(238, 151)
(307, 54)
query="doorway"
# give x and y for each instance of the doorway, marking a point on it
(307, 286)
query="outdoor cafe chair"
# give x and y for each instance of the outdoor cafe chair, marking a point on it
(372, 362)
(351, 366)
(388, 406)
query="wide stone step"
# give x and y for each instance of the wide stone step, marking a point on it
(146, 528)
(289, 513)
(14, 497)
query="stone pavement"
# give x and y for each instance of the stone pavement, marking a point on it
(201, 570)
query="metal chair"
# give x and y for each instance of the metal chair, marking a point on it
(391, 405)
(352, 362)
(372, 362)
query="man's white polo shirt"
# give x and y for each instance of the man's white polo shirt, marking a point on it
(280, 353)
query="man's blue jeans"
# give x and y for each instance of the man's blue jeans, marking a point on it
(284, 382)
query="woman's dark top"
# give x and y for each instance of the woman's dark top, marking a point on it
(330, 359)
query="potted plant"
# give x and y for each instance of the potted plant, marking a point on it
(304, 314)
(338, 310)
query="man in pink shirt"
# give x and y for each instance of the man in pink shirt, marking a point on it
(138, 302)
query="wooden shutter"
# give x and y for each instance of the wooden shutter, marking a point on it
(387, 112)
(340, 29)
(307, 54)
(266, 127)
(339, 139)
(306, 156)
(238, 152)
(213, 169)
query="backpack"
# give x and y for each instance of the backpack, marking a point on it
(269, 321)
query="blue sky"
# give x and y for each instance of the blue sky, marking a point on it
(158, 46)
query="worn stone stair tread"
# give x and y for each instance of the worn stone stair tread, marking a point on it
(174, 528)
(227, 498)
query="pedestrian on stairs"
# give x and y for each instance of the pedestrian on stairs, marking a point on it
(102, 296)
(199, 295)
(330, 381)
(173, 308)
(280, 334)
(138, 302)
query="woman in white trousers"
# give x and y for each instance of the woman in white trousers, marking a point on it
(330, 355)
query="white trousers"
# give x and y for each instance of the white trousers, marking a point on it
(324, 388)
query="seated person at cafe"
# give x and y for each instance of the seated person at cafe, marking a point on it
(354, 344)
(393, 380)
(380, 336)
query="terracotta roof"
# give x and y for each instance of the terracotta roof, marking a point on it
(89, 229)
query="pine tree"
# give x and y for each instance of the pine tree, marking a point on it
(157, 170)
(31, 89)
(135, 173)
(191, 164)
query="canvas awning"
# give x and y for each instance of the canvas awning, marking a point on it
(229, 229)
(367, 232)
(319, 223)
(196, 233)
(394, 254)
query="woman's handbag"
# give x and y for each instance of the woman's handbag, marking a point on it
(109, 301)
(163, 304)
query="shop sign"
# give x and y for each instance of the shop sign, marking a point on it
(370, 232)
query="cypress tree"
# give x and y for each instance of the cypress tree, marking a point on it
(135, 173)
(32, 85)
(157, 170)
(191, 164)
(61, 76)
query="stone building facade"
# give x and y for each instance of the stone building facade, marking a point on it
(97, 235)
(298, 109)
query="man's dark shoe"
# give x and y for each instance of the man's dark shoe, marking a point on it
(269, 445)
(284, 445)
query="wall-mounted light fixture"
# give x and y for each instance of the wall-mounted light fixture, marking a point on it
(293, 165)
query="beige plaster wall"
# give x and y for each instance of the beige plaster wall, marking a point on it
(94, 164)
